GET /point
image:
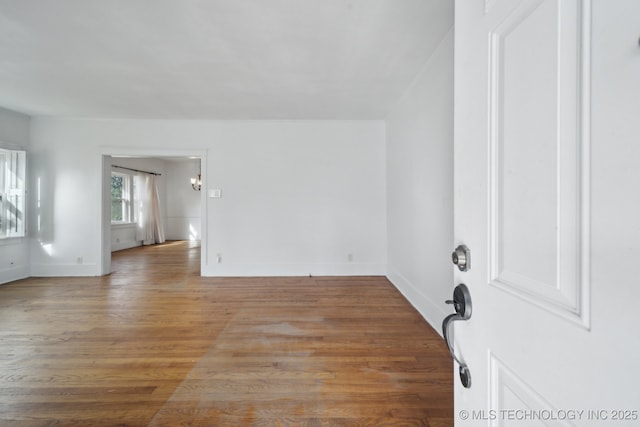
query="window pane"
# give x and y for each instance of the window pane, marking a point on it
(116, 186)
(116, 197)
(116, 210)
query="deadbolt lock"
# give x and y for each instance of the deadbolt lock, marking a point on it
(462, 258)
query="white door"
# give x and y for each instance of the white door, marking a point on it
(547, 198)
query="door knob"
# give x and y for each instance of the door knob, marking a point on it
(461, 257)
(462, 304)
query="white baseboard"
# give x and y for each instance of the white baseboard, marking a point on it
(62, 270)
(430, 310)
(14, 273)
(271, 270)
(125, 245)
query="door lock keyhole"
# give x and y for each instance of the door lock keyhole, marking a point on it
(461, 257)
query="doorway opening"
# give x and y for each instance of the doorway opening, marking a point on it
(180, 207)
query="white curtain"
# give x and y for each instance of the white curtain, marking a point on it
(150, 229)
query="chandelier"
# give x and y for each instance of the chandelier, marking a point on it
(196, 183)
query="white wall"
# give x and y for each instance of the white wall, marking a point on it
(297, 197)
(183, 203)
(419, 140)
(123, 236)
(14, 253)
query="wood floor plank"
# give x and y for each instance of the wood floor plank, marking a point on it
(155, 344)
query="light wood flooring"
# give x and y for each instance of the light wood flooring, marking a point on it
(155, 344)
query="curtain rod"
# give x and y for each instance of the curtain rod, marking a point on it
(137, 170)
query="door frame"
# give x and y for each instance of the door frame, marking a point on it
(104, 195)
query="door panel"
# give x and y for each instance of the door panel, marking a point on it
(537, 154)
(514, 402)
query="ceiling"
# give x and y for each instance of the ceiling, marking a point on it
(214, 59)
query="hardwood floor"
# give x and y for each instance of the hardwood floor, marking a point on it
(155, 344)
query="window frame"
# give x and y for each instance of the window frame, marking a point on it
(13, 186)
(127, 199)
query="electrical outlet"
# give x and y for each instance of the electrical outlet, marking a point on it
(219, 258)
(79, 260)
(350, 257)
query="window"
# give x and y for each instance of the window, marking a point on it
(12, 193)
(122, 206)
